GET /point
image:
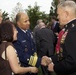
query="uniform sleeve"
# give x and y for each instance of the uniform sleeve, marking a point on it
(35, 60)
(68, 64)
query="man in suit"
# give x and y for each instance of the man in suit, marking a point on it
(25, 45)
(36, 28)
(55, 28)
(64, 62)
(55, 25)
(45, 44)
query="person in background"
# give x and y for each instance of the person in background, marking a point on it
(25, 45)
(8, 56)
(64, 62)
(44, 43)
(48, 25)
(44, 40)
(36, 28)
(55, 27)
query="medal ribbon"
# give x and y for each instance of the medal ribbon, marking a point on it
(59, 40)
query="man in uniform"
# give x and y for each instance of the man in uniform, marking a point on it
(64, 63)
(25, 45)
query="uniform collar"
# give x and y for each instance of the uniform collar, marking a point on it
(71, 23)
(24, 30)
(71, 20)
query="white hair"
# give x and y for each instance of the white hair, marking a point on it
(68, 5)
(41, 25)
(39, 20)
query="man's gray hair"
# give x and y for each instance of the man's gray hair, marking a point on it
(68, 5)
(39, 20)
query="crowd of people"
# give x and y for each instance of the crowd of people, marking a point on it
(52, 48)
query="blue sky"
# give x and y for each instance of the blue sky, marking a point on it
(8, 5)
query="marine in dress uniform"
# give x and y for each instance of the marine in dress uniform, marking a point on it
(65, 63)
(26, 50)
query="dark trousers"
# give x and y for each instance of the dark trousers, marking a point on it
(45, 70)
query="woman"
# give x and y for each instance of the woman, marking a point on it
(8, 57)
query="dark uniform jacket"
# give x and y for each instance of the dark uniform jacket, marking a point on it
(65, 62)
(26, 49)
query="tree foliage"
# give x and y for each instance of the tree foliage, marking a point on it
(5, 16)
(18, 8)
(53, 8)
(35, 14)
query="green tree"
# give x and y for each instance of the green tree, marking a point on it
(18, 8)
(53, 8)
(5, 16)
(35, 14)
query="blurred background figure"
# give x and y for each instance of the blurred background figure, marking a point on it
(36, 28)
(55, 27)
(48, 25)
(44, 38)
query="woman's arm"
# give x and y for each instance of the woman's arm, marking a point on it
(13, 61)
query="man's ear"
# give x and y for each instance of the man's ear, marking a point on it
(66, 14)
